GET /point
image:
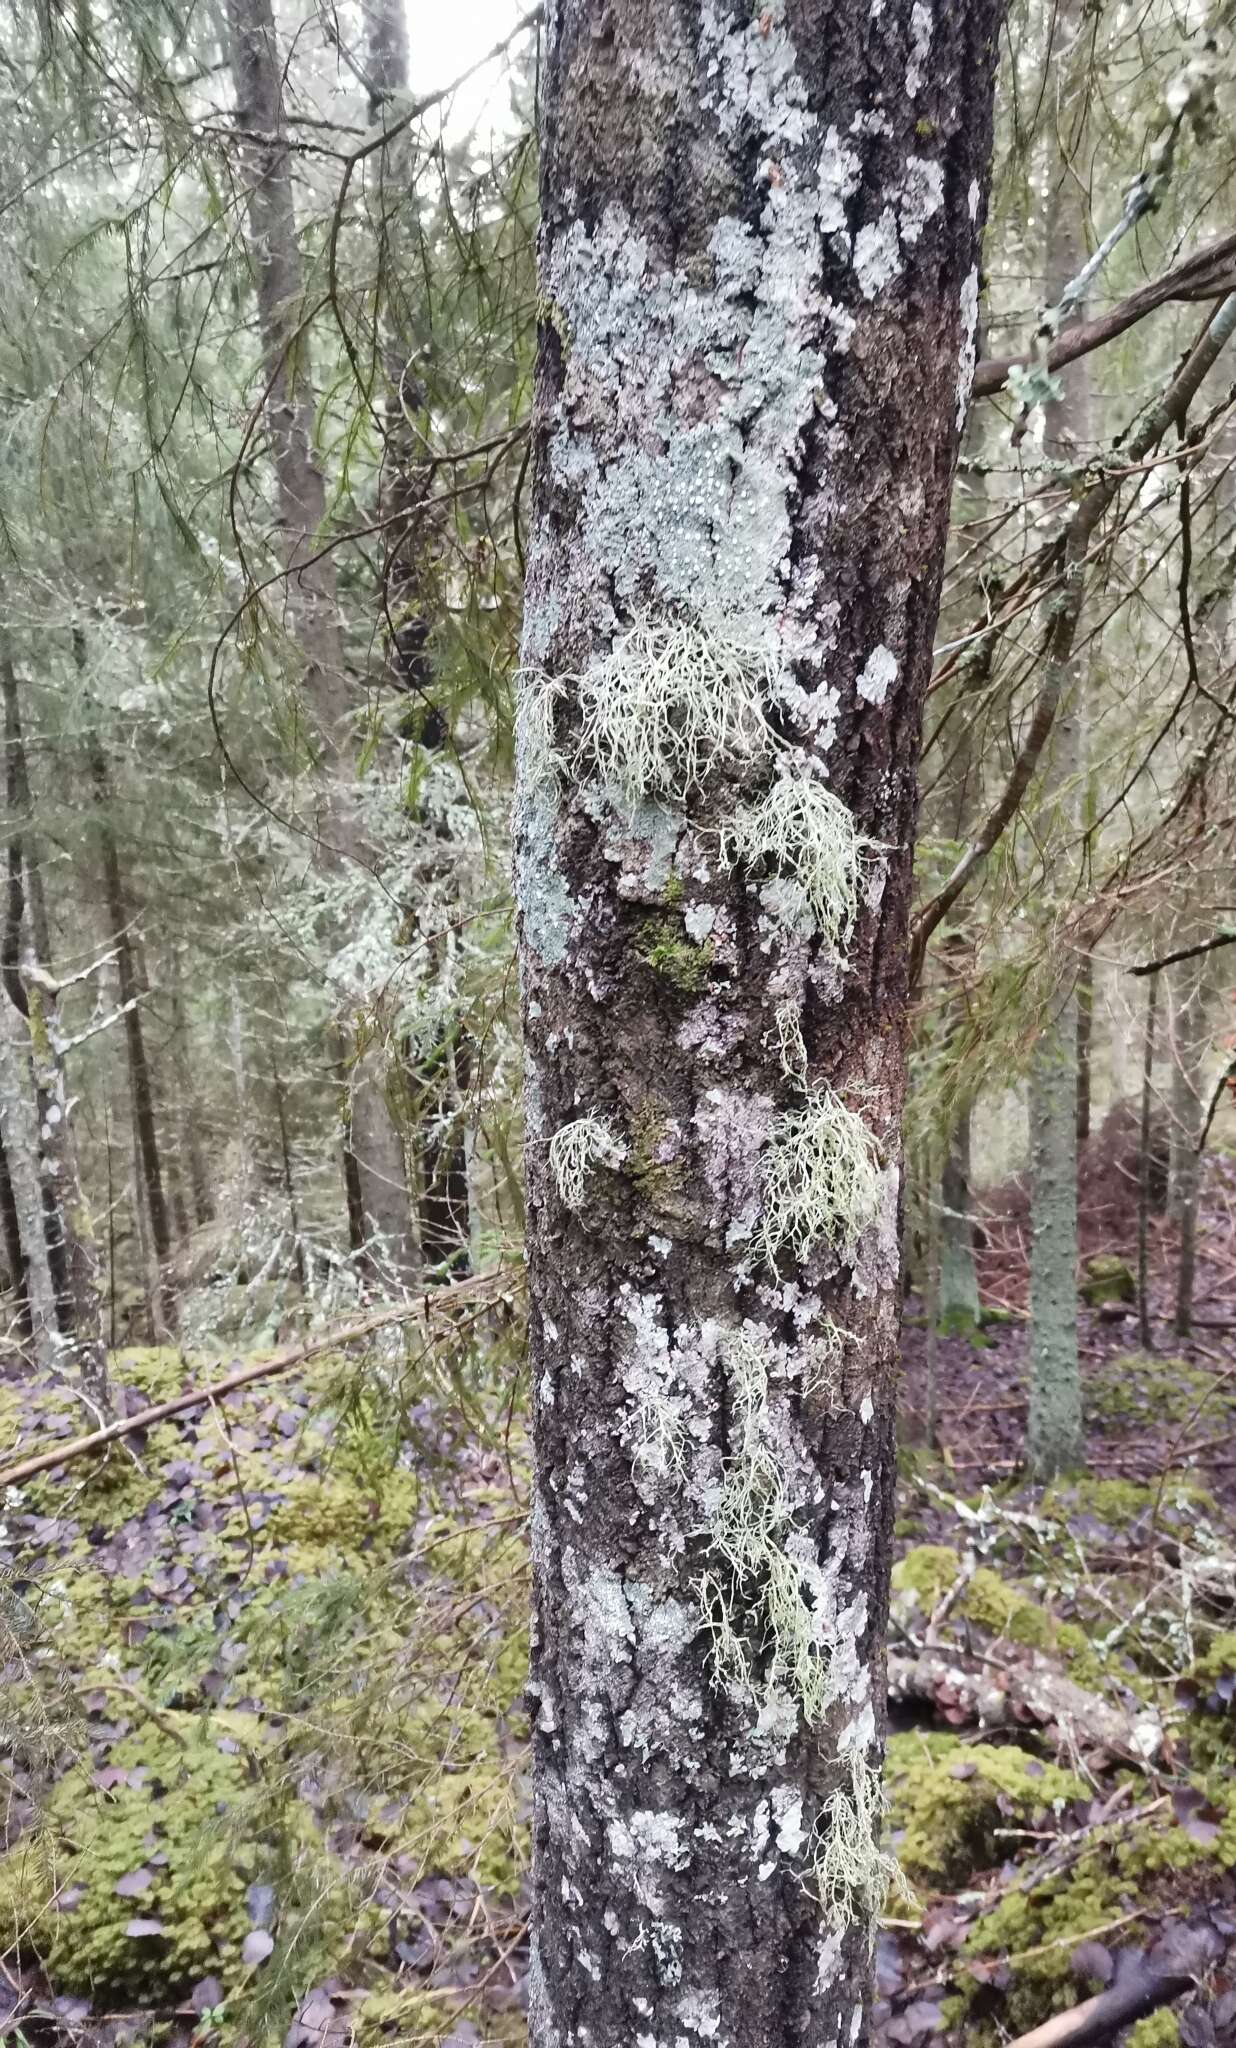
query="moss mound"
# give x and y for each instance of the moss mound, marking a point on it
(947, 1799)
(138, 1883)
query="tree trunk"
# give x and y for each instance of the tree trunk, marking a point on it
(958, 1276)
(1085, 1042)
(141, 1089)
(1054, 1429)
(289, 1181)
(411, 536)
(1145, 1329)
(14, 1256)
(188, 1108)
(1054, 1440)
(745, 432)
(65, 1225)
(443, 1145)
(19, 1134)
(313, 613)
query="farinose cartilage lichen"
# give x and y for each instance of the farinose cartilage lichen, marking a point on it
(575, 1150)
(670, 699)
(822, 1179)
(809, 835)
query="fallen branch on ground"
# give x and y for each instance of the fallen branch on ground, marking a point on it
(1010, 1695)
(1142, 1992)
(264, 1369)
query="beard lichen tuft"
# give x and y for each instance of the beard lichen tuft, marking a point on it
(575, 1150)
(822, 1180)
(672, 699)
(805, 832)
(765, 1601)
(851, 1874)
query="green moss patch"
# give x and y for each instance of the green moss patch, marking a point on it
(948, 1799)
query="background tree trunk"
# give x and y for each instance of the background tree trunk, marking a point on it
(312, 599)
(19, 1135)
(758, 294)
(72, 1261)
(131, 988)
(1054, 1430)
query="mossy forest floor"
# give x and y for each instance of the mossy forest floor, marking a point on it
(263, 1726)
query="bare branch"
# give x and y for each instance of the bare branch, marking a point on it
(1066, 609)
(1210, 273)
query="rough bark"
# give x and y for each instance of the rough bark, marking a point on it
(310, 583)
(758, 266)
(1054, 1428)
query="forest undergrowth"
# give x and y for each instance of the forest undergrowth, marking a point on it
(263, 1712)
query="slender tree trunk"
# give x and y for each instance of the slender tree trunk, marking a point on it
(444, 1205)
(188, 1107)
(957, 1278)
(14, 1256)
(1055, 1441)
(758, 293)
(313, 612)
(1085, 1041)
(19, 1134)
(129, 983)
(1145, 1327)
(289, 1182)
(412, 533)
(66, 1227)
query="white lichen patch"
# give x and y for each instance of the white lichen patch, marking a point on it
(877, 675)
(575, 1150)
(968, 359)
(921, 29)
(922, 196)
(822, 1180)
(841, 171)
(877, 254)
(673, 699)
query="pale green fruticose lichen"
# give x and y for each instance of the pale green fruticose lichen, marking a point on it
(791, 1045)
(822, 1374)
(535, 746)
(821, 1179)
(671, 698)
(851, 1873)
(575, 1150)
(765, 1594)
(806, 831)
